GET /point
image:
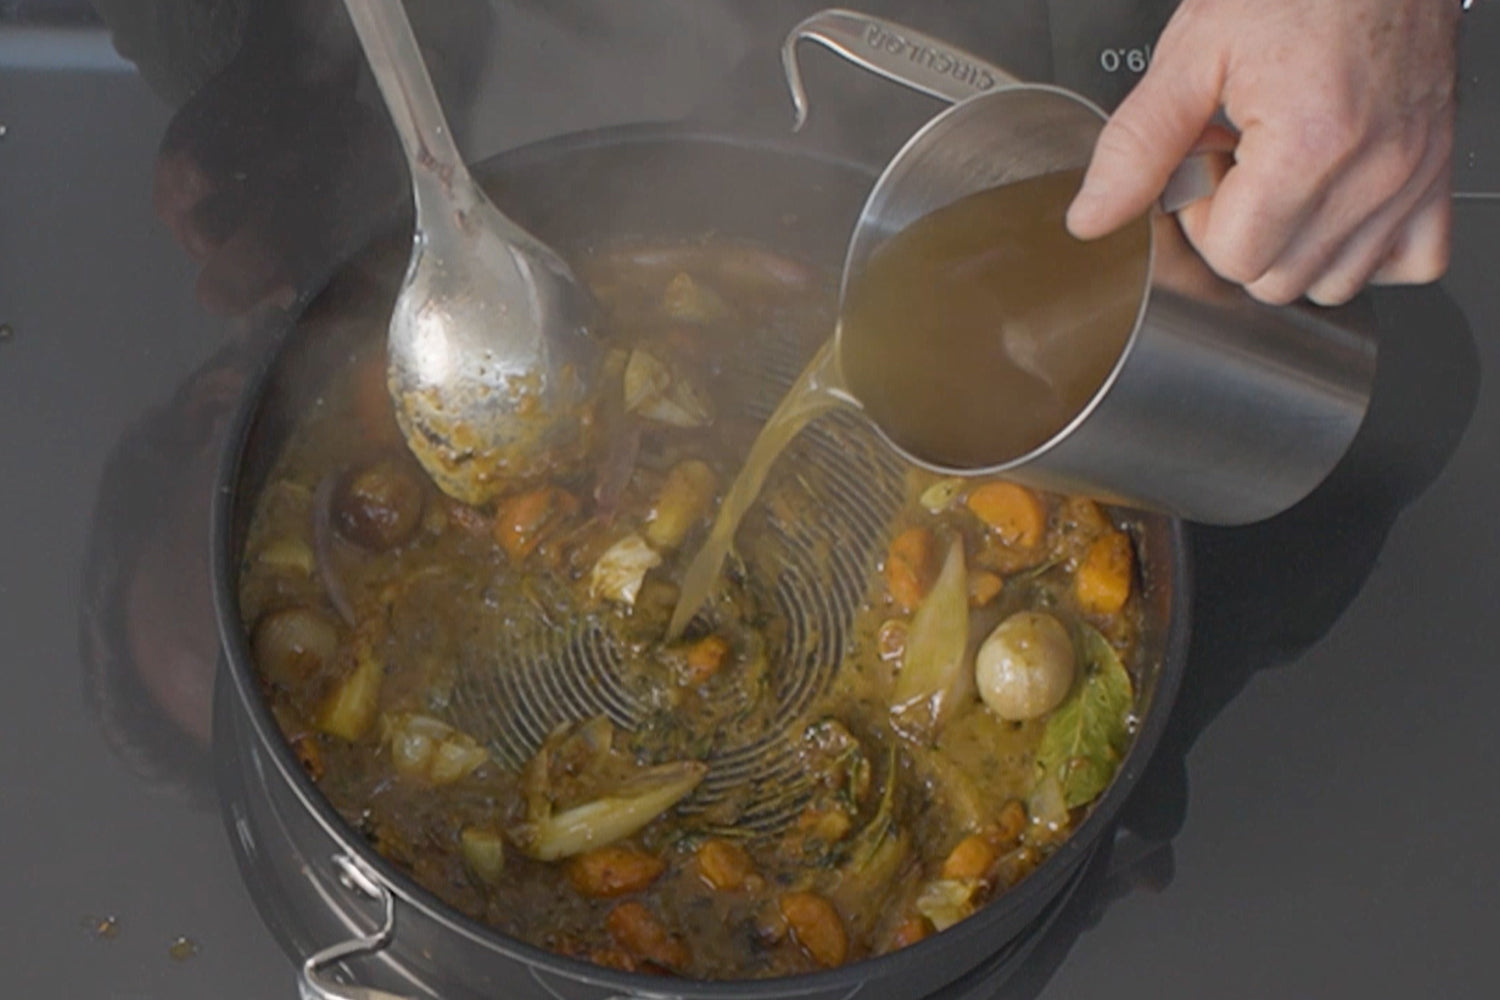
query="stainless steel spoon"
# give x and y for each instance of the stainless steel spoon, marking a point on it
(490, 352)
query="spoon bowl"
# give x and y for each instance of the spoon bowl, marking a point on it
(490, 354)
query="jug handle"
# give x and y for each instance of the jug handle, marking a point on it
(933, 67)
(893, 51)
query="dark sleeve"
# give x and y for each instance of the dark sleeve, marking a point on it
(177, 45)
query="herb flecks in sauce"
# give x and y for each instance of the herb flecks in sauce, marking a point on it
(376, 605)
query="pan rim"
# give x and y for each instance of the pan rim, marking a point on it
(964, 938)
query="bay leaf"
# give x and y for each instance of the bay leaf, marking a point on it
(1087, 735)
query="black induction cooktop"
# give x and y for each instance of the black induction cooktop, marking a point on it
(1320, 819)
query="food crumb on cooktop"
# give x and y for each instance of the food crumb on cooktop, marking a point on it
(107, 927)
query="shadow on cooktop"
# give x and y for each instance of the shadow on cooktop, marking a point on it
(1266, 592)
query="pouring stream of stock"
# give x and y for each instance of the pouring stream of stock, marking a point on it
(988, 271)
(994, 270)
(818, 389)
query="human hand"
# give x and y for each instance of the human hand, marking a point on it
(1344, 110)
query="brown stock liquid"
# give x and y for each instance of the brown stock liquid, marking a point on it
(978, 332)
(971, 337)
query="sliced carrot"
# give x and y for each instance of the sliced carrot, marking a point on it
(613, 871)
(522, 520)
(971, 859)
(1102, 583)
(984, 587)
(911, 566)
(637, 930)
(1084, 514)
(909, 932)
(724, 864)
(1013, 512)
(817, 927)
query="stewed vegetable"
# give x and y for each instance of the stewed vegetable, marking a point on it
(1025, 667)
(980, 702)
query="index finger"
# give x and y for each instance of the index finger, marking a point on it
(1156, 125)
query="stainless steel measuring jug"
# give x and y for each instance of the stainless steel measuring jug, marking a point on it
(1219, 408)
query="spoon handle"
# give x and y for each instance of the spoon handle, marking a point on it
(386, 36)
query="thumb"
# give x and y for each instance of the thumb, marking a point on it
(1156, 125)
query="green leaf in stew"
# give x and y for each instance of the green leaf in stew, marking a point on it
(1088, 734)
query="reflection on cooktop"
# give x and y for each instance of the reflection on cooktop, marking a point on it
(148, 638)
(1265, 592)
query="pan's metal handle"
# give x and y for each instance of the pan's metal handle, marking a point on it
(313, 983)
(893, 51)
(944, 71)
